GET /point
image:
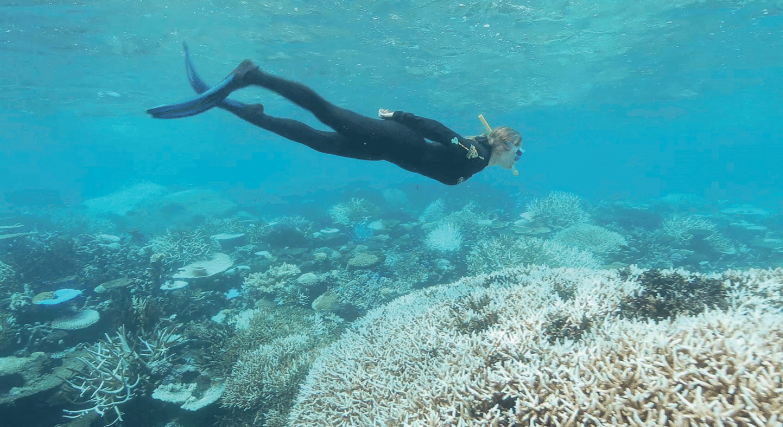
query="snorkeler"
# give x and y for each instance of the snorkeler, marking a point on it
(401, 138)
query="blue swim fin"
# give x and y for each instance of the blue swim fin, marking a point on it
(200, 86)
(195, 81)
(207, 100)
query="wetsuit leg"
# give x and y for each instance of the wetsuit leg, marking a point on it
(324, 142)
(346, 122)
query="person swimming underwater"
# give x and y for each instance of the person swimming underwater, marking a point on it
(400, 138)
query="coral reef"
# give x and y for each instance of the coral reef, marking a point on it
(279, 281)
(6, 272)
(270, 374)
(113, 370)
(446, 237)
(181, 247)
(670, 293)
(435, 211)
(498, 253)
(691, 230)
(357, 210)
(591, 238)
(558, 210)
(257, 300)
(476, 352)
(270, 355)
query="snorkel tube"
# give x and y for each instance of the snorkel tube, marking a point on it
(489, 131)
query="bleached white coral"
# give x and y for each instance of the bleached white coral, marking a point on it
(357, 210)
(6, 272)
(683, 228)
(498, 253)
(433, 212)
(754, 289)
(591, 238)
(268, 374)
(558, 210)
(446, 237)
(476, 353)
(274, 279)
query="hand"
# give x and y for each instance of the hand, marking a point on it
(385, 114)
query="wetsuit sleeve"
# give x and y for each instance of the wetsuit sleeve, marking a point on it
(430, 129)
(437, 132)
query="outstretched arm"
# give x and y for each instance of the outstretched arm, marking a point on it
(436, 131)
(430, 129)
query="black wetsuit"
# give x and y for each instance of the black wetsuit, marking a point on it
(403, 139)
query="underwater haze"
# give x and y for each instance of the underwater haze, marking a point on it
(611, 97)
(207, 272)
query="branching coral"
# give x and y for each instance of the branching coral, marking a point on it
(108, 380)
(671, 293)
(446, 237)
(558, 210)
(269, 374)
(182, 247)
(113, 370)
(6, 272)
(502, 252)
(683, 229)
(273, 355)
(591, 238)
(477, 352)
(279, 280)
(357, 210)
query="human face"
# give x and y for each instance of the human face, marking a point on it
(509, 157)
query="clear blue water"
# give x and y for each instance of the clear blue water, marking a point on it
(611, 98)
(652, 133)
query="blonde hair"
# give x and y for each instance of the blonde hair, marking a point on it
(502, 136)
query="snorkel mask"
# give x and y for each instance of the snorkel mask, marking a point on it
(517, 154)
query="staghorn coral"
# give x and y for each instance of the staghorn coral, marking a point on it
(357, 210)
(113, 371)
(446, 237)
(364, 290)
(108, 380)
(280, 281)
(683, 228)
(715, 368)
(182, 247)
(558, 210)
(6, 272)
(754, 289)
(477, 353)
(271, 356)
(591, 238)
(269, 375)
(497, 253)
